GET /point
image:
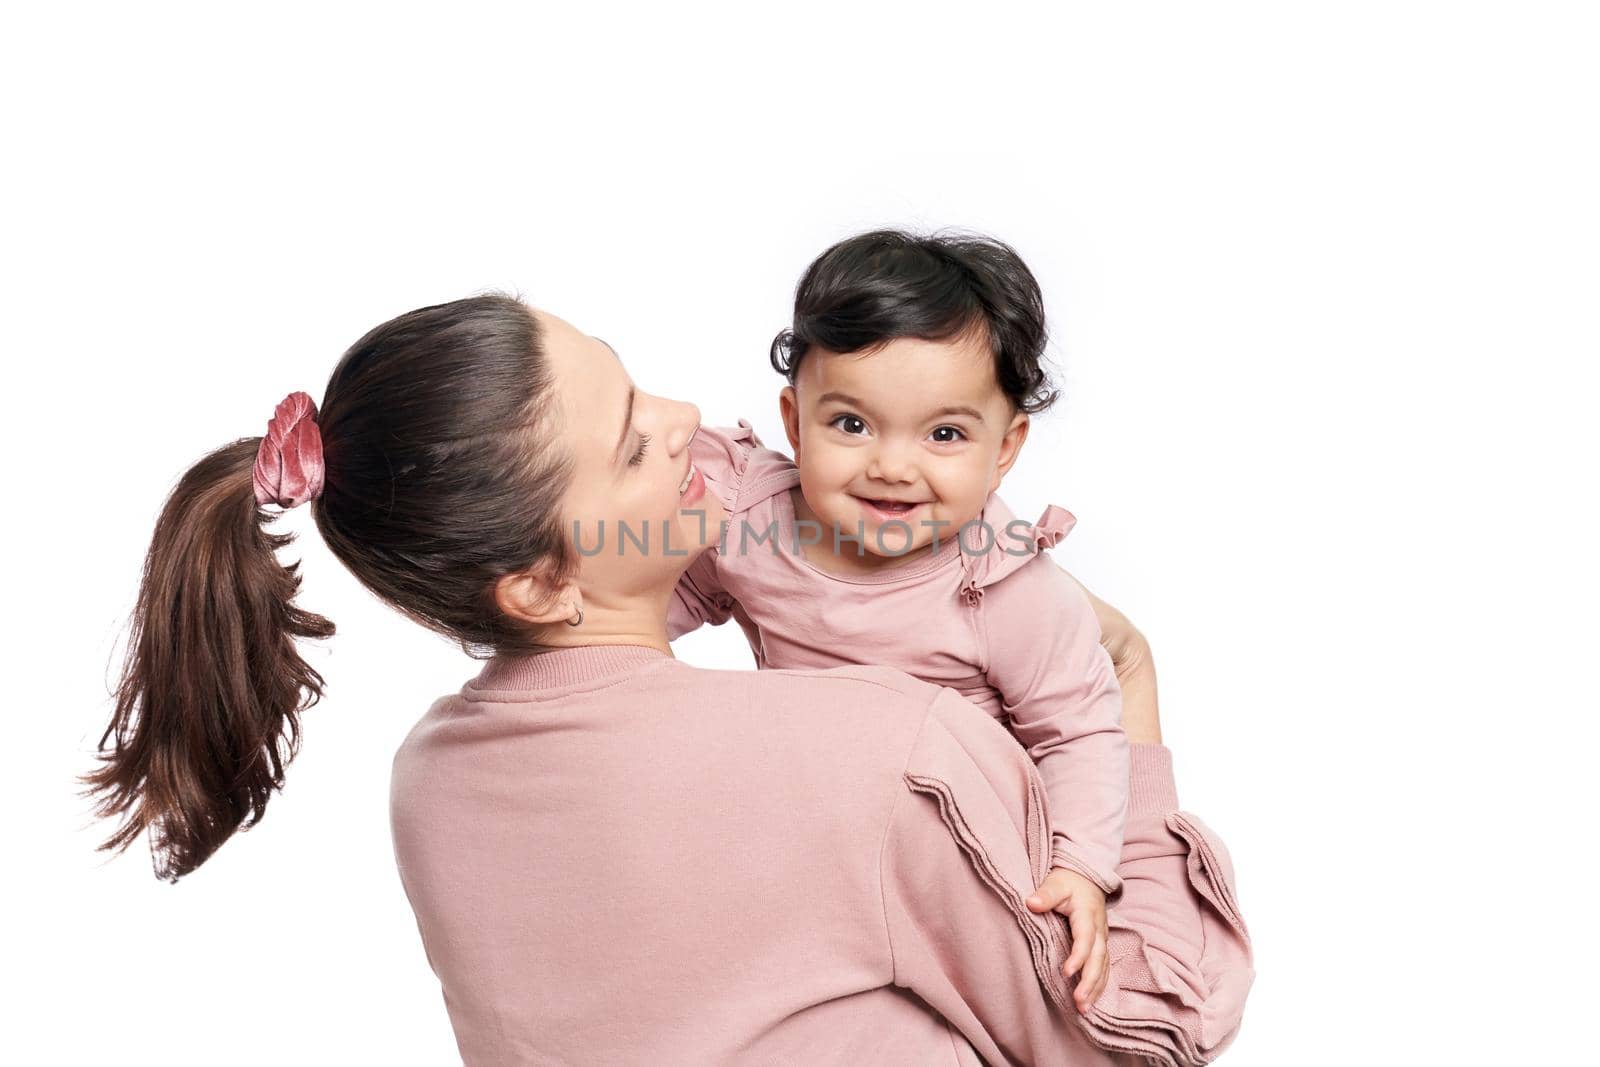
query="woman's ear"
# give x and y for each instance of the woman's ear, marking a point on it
(533, 597)
(789, 409)
(1010, 447)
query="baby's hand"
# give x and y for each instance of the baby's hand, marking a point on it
(1084, 905)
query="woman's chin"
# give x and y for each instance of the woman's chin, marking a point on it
(697, 528)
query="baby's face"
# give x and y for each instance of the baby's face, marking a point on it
(917, 432)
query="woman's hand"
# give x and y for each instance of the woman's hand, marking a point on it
(1136, 670)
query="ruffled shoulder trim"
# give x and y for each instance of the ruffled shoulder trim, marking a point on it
(1001, 543)
(738, 468)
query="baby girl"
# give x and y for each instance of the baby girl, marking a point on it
(913, 366)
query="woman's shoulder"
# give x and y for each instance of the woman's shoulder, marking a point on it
(738, 467)
(853, 705)
(913, 736)
(911, 714)
(887, 684)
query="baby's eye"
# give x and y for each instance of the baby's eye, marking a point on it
(850, 424)
(959, 436)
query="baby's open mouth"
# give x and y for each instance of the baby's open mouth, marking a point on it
(892, 506)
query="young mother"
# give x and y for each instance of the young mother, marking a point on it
(614, 857)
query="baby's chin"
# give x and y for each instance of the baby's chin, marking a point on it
(927, 524)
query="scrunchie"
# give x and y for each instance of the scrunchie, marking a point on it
(288, 470)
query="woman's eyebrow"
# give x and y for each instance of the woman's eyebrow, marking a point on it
(627, 414)
(627, 421)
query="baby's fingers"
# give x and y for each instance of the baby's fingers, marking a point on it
(1083, 941)
(1052, 892)
(1095, 973)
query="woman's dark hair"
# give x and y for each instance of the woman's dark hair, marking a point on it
(438, 481)
(874, 287)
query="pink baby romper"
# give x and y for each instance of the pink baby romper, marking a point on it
(1027, 651)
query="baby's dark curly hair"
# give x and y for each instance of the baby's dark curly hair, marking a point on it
(877, 286)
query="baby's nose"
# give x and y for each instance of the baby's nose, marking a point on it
(887, 464)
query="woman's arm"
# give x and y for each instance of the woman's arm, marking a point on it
(1182, 962)
(966, 844)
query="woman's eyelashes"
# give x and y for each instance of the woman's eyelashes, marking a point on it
(638, 454)
(855, 426)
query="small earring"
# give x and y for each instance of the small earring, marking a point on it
(578, 621)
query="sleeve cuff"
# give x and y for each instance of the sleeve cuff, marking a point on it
(1063, 854)
(1151, 788)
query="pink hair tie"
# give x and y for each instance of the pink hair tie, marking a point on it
(288, 469)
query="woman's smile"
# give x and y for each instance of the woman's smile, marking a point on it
(693, 486)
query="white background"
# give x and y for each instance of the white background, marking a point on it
(1322, 281)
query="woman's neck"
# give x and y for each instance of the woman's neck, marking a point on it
(636, 622)
(564, 668)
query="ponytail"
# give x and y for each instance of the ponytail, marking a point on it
(442, 477)
(207, 708)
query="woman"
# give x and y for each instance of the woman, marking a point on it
(614, 857)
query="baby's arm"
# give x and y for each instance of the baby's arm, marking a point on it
(698, 599)
(1060, 694)
(722, 455)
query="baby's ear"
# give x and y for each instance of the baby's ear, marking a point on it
(789, 409)
(1010, 447)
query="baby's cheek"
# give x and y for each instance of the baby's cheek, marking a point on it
(835, 468)
(963, 499)
(823, 481)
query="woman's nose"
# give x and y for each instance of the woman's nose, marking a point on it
(683, 419)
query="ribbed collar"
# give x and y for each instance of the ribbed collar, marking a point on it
(561, 668)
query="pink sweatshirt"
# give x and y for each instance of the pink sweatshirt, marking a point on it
(617, 858)
(990, 616)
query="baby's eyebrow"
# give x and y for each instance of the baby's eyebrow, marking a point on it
(960, 409)
(954, 409)
(843, 398)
